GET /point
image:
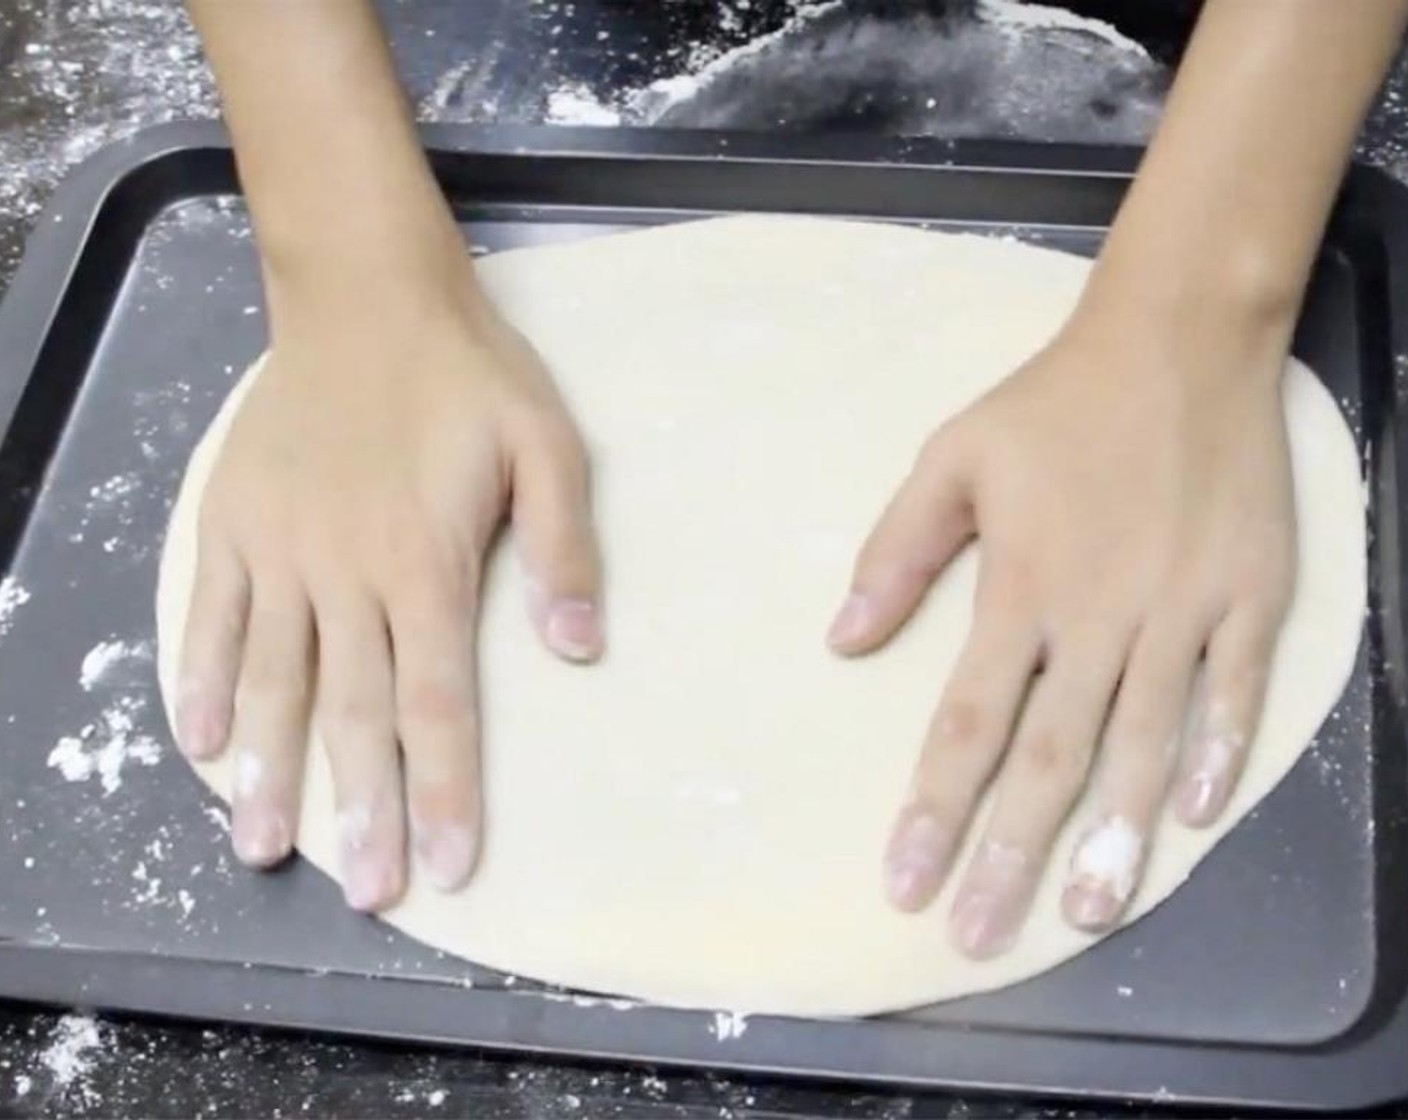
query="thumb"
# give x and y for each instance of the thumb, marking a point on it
(926, 524)
(552, 523)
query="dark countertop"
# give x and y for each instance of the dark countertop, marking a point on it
(75, 74)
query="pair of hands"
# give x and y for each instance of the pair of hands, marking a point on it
(1131, 487)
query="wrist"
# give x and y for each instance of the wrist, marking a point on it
(1228, 307)
(362, 266)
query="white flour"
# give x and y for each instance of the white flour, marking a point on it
(110, 66)
(702, 70)
(12, 597)
(576, 106)
(728, 1025)
(432, 1097)
(1110, 856)
(114, 740)
(107, 654)
(104, 748)
(1020, 16)
(114, 489)
(72, 1053)
(150, 885)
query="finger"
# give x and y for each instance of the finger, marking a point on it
(1235, 673)
(966, 737)
(433, 635)
(1044, 772)
(270, 730)
(1140, 746)
(922, 529)
(357, 725)
(553, 526)
(210, 649)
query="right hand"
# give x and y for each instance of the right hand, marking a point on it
(342, 543)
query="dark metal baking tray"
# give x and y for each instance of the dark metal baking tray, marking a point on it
(1275, 976)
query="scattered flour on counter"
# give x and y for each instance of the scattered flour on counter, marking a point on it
(615, 1003)
(12, 597)
(729, 1024)
(151, 885)
(701, 72)
(72, 1052)
(575, 105)
(94, 71)
(103, 749)
(107, 654)
(114, 489)
(1021, 16)
(105, 746)
(432, 1097)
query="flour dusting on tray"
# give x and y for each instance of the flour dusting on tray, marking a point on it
(105, 746)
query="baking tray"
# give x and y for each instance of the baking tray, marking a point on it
(1276, 976)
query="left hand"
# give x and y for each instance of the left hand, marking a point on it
(1132, 491)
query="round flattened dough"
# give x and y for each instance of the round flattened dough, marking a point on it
(699, 820)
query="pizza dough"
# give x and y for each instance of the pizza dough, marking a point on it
(699, 820)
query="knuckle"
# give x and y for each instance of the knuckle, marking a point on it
(1242, 681)
(440, 789)
(354, 717)
(1048, 761)
(963, 723)
(415, 559)
(1009, 580)
(1265, 576)
(436, 702)
(1140, 729)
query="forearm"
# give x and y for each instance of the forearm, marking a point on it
(1232, 198)
(337, 184)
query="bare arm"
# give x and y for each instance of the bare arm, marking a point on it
(396, 421)
(1132, 490)
(327, 148)
(1227, 210)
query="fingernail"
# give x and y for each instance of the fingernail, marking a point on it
(573, 629)
(981, 928)
(1104, 869)
(853, 621)
(992, 901)
(370, 877)
(916, 861)
(259, 835)
(446, 855)
(200, 728)
(1204, 791)
(370, 882)
(1090, 907)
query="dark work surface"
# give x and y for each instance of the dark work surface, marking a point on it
(135, 65)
